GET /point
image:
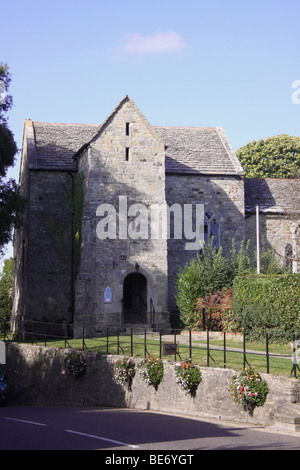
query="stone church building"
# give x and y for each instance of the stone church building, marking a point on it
(86, 187)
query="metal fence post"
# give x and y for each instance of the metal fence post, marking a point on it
(160, 343)
(244, 350)
(224, 350)
(207, 341)
(83, 337)
(267, 353)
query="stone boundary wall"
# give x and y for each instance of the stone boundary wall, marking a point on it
(36, 376)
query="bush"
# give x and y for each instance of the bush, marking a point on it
(263, 303)
(207, 273)
(6, 294)
(219, 313)
(202, 280)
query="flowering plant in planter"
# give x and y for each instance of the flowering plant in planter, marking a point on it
(249, 389)
(152, 370)
(188, 376)
(75, 364)
(124, 371)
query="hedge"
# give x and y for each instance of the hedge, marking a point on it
(267, 302)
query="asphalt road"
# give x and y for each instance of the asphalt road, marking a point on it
(113, 430)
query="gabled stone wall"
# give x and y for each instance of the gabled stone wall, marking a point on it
(137, 176)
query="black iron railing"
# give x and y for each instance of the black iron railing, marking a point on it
(201, 347)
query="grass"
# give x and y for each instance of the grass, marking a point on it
(233, 358)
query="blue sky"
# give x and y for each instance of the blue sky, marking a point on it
(227, 63)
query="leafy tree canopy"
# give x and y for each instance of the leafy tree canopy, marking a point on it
(211, 271)
(274, 157)
(6, 289)
(11, 203)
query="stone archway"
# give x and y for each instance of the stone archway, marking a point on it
(135, 298)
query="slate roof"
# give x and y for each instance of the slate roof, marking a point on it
(198, 150)
(56, 144)
(277, 196)
(189, 150)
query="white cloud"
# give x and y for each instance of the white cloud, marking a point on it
(136, 44)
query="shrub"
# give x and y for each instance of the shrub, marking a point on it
(206, 273)
(6, 294)
(249, 389)
(124, 371)
(188, 376)
(200, 281)
(152, 371)
(219, 313)
(263, 303)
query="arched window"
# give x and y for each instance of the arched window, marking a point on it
(211, 229)
(288, 257)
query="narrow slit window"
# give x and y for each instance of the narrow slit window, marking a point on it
(127, 154)
(127, 128)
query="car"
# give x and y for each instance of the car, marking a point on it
(3, 389)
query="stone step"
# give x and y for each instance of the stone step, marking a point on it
(289, 416)
(138, 327)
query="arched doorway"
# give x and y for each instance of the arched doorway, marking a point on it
(135, 298)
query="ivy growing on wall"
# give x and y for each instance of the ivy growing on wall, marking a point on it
(59, 230)
(75, 197)
(77, 203)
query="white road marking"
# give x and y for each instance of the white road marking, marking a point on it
(24, 421)
(76, 432)
(103, 439)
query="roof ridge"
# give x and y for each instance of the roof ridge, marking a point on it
(230, 152)
(65, 123)
(184, 127)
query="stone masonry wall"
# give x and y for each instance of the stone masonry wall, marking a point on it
(36, 376)
(137, 175)
(223, 196)
(277, 230)
(44, 259)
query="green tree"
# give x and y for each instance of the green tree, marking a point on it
(274, 157)
(208, 272)
(6, 291)
(211, 271)
(11, 203)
